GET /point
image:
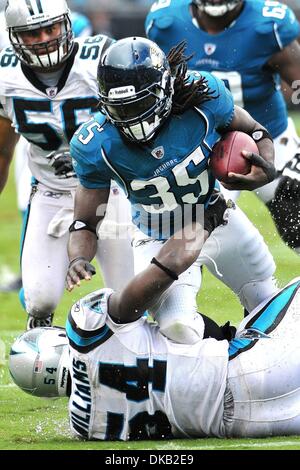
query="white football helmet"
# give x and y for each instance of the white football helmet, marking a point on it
(38, 362)
(216, 7)
(26, 15)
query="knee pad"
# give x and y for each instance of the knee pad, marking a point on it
(285, 211)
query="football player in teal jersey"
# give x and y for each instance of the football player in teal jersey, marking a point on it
(251, 45)
(155, 141)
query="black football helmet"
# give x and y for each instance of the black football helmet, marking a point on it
(216, 7)
(135, 87)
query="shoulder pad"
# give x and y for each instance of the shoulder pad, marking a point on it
(212, 81)
(164, 22)
(265, 28)
(97, 39)
(195, 75)
(161, 6)
(8, 58)
(281, 15)
(7, 50)
(86, 325)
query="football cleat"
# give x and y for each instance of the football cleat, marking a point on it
(33, 322)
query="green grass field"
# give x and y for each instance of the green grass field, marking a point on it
(32, 423)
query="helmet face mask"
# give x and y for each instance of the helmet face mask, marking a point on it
(25, 17)
(136, 92)
(38, 362)
(216, 7)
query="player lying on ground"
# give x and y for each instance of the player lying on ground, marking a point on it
(126, 380)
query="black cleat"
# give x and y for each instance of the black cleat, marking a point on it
(33, 322)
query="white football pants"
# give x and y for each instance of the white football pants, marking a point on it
(264, 378)
(44, 259)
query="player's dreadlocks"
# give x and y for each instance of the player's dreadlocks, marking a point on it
(186, 95)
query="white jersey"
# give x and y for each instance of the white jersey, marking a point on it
(4, 38)
(131, 382)
(48, 116)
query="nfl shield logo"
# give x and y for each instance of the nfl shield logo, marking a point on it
(51, 92)
(210, 48)
(158, 153)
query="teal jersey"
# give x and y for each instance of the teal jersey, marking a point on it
(238, 55)
(164, 175)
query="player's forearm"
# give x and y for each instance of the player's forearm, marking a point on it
(182, 250)
(82, 244)
(243, 122)
(177, 255)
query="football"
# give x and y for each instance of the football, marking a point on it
(227, 155)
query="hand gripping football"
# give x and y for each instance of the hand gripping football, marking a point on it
(227, 155)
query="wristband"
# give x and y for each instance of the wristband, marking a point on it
(261, 134)
(168, 271)
(81, 225)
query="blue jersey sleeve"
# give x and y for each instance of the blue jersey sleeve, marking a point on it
(277, 27)
(287, 29)
(222, 106)
(163, 17)
(88, 164)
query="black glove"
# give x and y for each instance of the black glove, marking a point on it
(214, 213)
(62, 164)
(229, 331)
